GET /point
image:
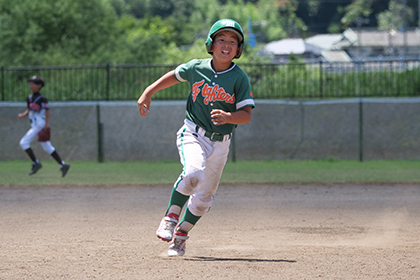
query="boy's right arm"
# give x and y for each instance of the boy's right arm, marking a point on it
(24, 114)
(163, 82)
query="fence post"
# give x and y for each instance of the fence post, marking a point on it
(360, 129)
(233, 147)
(107, 80)
(2, 84)
(302, 130)
(100, 134)
(320, 78)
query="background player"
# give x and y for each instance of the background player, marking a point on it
(38, 111)
(220, 99)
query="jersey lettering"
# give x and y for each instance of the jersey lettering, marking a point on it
(196, 89)
(211, 94)
(35, 107)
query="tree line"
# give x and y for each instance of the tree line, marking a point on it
(80, 32)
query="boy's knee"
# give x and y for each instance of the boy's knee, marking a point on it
(47, 147)
(200, 205)
(24, 145)
(193, 177)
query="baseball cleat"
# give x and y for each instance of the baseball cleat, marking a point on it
(35, 167)
(167, 227)
(177, 247)
(64, 169)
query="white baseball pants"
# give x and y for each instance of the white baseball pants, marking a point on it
(32, 134)
(203, 161)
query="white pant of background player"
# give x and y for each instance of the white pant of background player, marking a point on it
(37, 124)
(203, 161)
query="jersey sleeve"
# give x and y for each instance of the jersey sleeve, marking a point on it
(44, 103)
(183, 71)
(28, 101)
(244, 95)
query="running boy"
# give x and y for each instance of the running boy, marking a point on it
(38, 111)
(220, 99)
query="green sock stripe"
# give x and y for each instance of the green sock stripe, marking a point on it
(182, 148)
(189, 217)
(178, 199)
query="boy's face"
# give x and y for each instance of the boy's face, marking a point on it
(34, 87)
(225, 45)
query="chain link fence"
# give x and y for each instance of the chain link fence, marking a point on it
(301, 81)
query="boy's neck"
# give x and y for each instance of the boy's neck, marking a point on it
(219, 67)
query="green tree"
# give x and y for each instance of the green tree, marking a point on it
(293, 25)
(355, 11)
(44, 31)
(142, 41)
(386, 15)
(397, 16)
(120, 6)
(320, 16)
(267, 18)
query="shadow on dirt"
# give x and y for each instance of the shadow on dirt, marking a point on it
(212, 259)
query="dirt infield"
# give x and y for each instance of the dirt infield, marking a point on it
(252, 232)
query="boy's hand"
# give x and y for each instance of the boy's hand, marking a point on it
(219, 117)
(21, 116)
(144, 104)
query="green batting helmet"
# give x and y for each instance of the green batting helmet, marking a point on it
(226, 24)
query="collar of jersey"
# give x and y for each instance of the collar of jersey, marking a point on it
(222, 72)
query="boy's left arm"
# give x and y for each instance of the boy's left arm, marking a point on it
(242, 116)
(24, 114)
(47, 117)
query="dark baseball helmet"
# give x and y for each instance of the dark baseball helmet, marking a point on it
(36, 80)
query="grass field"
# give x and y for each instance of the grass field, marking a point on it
(150, 173)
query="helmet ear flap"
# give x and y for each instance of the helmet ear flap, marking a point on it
(239, 51)
(210, 46)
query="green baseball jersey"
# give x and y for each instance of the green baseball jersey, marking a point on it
(229, 90)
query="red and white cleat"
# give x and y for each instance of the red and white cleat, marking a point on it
(177, 247)
(167, 227)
